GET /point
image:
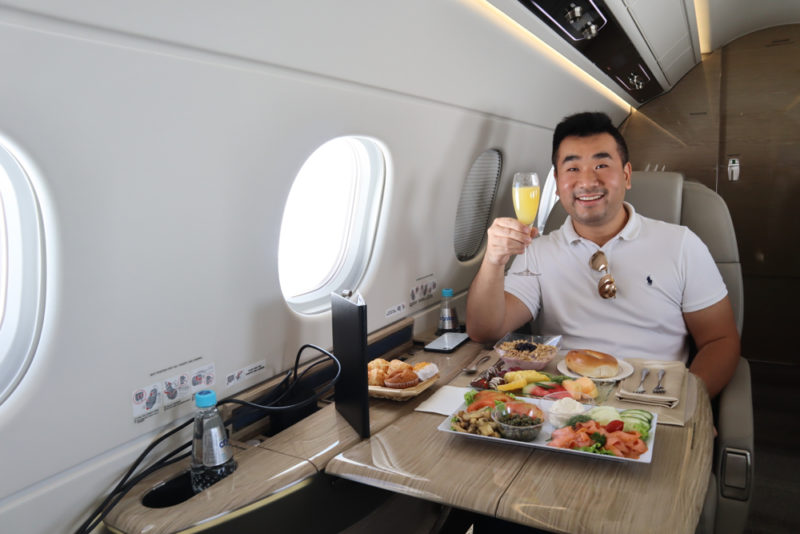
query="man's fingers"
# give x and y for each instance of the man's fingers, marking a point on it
(505, 227)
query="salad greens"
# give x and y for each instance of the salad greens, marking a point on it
(595, 448)
(469, 396)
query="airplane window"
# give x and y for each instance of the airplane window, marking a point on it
(21, 272)
(329, 221)
(475, 204)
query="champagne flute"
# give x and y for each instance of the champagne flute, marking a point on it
(525, 191)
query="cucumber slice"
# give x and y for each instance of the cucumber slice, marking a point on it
(603, 414)
(639, 411)
(644, 413)
(634, 417)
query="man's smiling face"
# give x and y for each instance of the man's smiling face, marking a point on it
(591, 180)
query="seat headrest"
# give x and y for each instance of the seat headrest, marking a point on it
(706, 213)
(658, 195)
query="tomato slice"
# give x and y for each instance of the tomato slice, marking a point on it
(480, 404)
(492, 395)
(614, 426)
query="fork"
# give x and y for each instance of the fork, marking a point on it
(640, 389)
(659, 388)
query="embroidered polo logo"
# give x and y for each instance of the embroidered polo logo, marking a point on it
(649, 280)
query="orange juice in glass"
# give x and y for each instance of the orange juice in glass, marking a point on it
(526, 192)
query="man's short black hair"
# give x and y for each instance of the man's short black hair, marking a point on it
(584, 125)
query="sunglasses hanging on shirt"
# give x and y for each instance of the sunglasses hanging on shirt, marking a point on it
(606, 286)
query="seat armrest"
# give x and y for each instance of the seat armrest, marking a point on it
(734, 455)
(735, 422)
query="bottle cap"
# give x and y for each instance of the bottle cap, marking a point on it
(205, 398)
(447, 292)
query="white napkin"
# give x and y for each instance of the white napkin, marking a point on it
(444, 400)
(674, 377)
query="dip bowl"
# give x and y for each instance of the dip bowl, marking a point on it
(515, 426)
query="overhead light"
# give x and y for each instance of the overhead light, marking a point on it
(580, 20)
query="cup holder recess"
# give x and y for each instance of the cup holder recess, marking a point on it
(170, 493)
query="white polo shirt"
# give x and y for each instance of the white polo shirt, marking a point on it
(661, 271)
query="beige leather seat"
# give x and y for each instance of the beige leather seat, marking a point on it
(668, 197)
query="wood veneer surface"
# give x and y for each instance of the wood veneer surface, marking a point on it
(260, 473)
(411, 457)
(553, 490)
(324, 434)
(570, 493)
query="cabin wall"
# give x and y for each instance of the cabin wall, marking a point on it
(734, 18)
(741, 102)
(163, 139)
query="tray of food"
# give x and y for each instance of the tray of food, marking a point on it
(560, 425)
(398, 380)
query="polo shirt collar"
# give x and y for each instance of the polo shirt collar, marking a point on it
(629, 231)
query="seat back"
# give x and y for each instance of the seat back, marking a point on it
(666, 196)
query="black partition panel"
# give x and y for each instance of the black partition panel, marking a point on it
(349, 323)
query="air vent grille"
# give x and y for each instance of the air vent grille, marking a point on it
(475, 204)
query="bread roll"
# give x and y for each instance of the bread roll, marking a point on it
(378, 363)
(402, 379)
(592, 363)
(376, 377)
(396, 366)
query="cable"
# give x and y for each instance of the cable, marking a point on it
(127, 483)
(313, 398)
(122, 483)
(297, 379)
(113, 499)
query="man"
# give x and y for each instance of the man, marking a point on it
(669, 286)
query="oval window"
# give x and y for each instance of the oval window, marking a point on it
(21, 272)
(329, 221)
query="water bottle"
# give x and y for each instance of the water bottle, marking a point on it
(212, 456)
(448, 318)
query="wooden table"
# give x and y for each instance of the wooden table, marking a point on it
(276, 466)
(554, 491)
(406, 454)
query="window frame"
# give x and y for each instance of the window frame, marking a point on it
(361, 227)
(24, 257)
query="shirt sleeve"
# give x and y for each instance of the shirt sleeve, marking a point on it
(704, 285)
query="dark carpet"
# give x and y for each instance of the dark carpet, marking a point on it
(775, 506)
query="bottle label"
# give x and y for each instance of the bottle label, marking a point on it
(448, 319)
(216, 450)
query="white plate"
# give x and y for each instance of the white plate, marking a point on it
(625, 370)
(544, 436)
